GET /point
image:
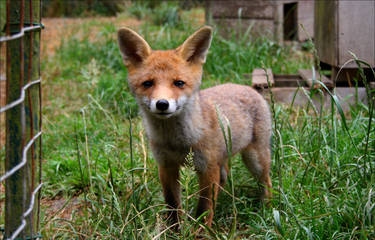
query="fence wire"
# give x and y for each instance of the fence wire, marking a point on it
(24, 32)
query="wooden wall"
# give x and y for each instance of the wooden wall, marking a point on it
(263, 17)
(343, 26)
(258, 15)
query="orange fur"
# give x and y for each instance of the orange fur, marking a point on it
(178, 117)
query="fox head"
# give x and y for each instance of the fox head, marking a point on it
(163, 82)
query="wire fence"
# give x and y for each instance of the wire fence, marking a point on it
(20, 118)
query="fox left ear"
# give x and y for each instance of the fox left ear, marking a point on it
(195, 48)
(134, 49)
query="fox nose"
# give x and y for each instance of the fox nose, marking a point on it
(162, 105)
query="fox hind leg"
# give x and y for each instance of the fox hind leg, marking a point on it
(258, 160)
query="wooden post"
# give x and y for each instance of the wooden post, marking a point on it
(21, 120)
(208, 14)
(15, 197)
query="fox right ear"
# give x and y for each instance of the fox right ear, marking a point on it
(195, 48)
(134, 49)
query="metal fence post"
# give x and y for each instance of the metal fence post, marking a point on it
(32, 104)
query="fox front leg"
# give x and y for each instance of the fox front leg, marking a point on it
(209, 183)
(171, 189)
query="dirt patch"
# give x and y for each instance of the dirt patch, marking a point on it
(57, 29)
(62, 208)
(59, 213)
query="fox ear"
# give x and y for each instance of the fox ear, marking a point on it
(195, 48)
(134, 49)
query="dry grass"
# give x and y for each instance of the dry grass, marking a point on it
(58, 29)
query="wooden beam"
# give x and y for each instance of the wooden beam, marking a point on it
(308, 76)
(259, 78)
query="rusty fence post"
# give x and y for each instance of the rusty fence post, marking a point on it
(23, 119)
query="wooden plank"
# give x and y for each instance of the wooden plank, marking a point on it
(307, 75)
(287, 95)
(356, 32)
(278, 23)
(288, 80)
(255, 9)
(325, 31)
(257, 27)
(306, 18)
(259, 78)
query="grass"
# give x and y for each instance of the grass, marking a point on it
(2, 16)
(96, 151)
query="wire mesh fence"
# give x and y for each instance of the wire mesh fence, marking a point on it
(20, 118)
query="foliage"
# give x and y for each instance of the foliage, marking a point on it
(166, 13)
(96, 150)
(139, 9)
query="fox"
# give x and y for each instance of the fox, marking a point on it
(179, 118)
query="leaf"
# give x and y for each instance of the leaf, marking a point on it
(276, 217)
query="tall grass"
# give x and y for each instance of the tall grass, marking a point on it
(167, 13)
(322, 171)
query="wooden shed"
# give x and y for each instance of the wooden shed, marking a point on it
(342, 27)
(277, 19)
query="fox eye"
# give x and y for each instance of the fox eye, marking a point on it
(179, 83)
(148, 84)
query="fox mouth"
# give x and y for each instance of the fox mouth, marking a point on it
(164, 114)
(167, 114)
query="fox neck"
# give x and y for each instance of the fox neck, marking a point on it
(182, 130)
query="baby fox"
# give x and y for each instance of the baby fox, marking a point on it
(180, 118)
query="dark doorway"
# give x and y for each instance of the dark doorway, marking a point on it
(290, 21)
